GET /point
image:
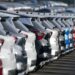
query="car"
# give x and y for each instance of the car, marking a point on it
(14, 6)
(28, 46)
(18, 50)
(55, 52)
(6, 56)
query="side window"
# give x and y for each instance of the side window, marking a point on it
(43, 10)
(2, 8)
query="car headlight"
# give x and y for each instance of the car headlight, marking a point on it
(20, 66)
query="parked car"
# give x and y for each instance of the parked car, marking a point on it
(28, 46)
(6, 56)
(18, 50)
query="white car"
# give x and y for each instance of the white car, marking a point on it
(61, 27)
(29, 44)
(53, 40)
(6, 56)
(18, 49)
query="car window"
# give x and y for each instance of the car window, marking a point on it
(2, 8)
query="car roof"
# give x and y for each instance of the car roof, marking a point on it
(11, 4)
(4, 14)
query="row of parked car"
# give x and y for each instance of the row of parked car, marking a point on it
(29, 40)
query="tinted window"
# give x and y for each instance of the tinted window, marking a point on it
(43, 10)
(2, 8)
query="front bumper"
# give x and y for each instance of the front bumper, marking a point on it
(9, 72)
